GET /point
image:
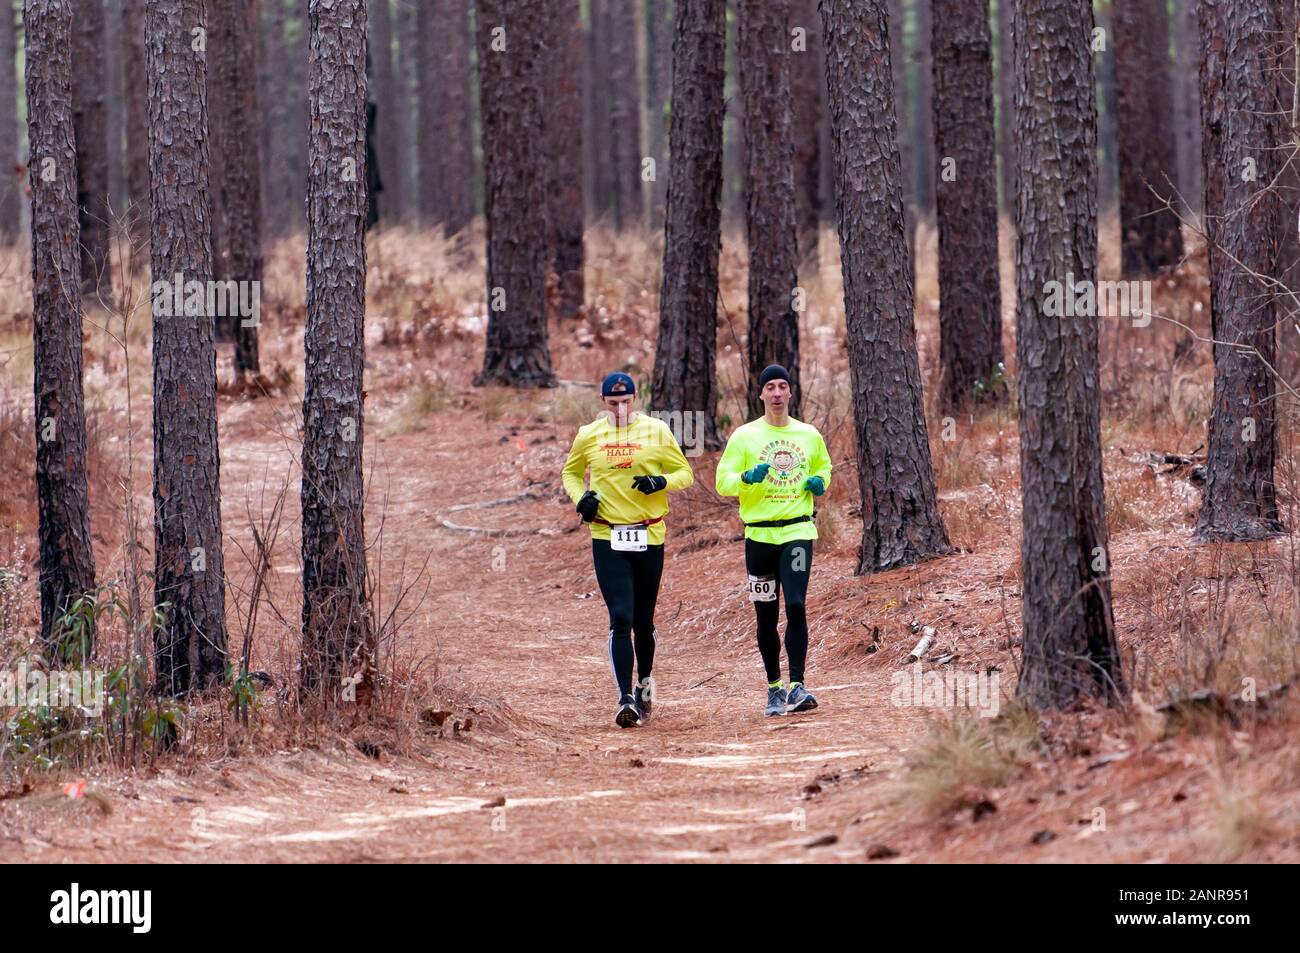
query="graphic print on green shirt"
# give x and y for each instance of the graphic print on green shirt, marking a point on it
(794, 452)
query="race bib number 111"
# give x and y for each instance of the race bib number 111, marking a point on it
(628, 539)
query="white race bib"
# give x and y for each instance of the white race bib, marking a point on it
(762, 588)
(629, 538)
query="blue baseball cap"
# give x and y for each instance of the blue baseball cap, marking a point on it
(617, 384)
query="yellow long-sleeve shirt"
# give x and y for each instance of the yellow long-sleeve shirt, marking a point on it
(614, 455)
(794, 452)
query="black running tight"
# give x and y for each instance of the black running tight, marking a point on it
(791, 564)
(629, 583)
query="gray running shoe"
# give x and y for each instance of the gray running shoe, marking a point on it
(627, 716)
(800, 699)
(775, 702)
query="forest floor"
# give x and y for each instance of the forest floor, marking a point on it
(503, 747)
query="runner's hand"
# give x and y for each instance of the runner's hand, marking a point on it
(649, 484)
(756, 475)
(587, 506)
(815, 485)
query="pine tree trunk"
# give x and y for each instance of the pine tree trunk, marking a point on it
(564, 154)
(384, 95)
(234, 129)
(625, 114)
(1187, 105)
(900, 510)
(923, 126)
(898, 57)
(685, 378)
(428, 148)
(91, 124)
(659, 78)
(1241, 104)
(189, 578)
(807, 87)
(137, 120)
(337, 629)
(764, 45)
(298, 117)
(512, 74)
(455, 135)
(1108, 183)
(1007, 104)
(1070, 649)
(970, 298)
(11, 197)
(1151, 236)
(67, 567)
(408, 51)
(115, 108)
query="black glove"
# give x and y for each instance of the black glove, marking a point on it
(587, 506)
(649, 484)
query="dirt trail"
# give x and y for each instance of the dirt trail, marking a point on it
(516, 629)
(517, 622)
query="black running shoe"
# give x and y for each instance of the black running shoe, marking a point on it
(628, 716)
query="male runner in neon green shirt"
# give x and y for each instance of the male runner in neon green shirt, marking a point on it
(777, 465)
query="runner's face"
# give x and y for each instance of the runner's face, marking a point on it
(621, 406)
(776, 396)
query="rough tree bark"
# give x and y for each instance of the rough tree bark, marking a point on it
(684, 372)
(454, 132)
(512, 74)
(1070, 649)
(807, 88)
(564, 155)
(1146, 139)
(90, 119)
(234, 129)
(966, 200)
(338, 650)
(1241, 99)
(770, 229)
(63, 509)
(900, 510)
(189, 577)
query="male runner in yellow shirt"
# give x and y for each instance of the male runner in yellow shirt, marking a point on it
(634, 460)
(777, 465)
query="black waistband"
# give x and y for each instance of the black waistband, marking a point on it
(790, 522)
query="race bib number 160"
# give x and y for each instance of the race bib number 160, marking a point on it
(762, 588)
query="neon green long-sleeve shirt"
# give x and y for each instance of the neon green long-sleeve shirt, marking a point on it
(795, 453)
(615, 455)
